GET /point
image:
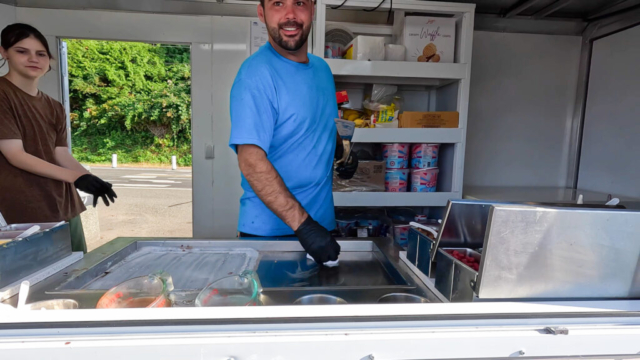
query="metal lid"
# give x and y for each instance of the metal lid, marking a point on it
(464, 225)
(465, 221)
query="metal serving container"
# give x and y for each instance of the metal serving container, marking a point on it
(464, 226)
(400, 298)
(533, 251)
(319, 299)
(419, 248)
(57, 304)
(455, 280)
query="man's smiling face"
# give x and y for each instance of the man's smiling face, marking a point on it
(288, 21)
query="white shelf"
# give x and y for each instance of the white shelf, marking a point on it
(436, 136)
(397, 72)
(393, 199)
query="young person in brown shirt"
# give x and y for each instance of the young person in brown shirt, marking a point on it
(38, 174)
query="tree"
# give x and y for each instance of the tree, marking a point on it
(130, 98)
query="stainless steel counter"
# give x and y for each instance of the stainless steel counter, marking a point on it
(369, 269)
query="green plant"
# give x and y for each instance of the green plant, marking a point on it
(132, 99)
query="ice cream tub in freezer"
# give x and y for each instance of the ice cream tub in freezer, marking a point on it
(396, 180)
(396, 155)
(401, 234)
(424, 156)
(347, 228)
(424, 180)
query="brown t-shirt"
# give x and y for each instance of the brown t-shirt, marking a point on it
(40, 122)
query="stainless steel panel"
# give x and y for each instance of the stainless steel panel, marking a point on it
(412, 246)
(425, 247)
(550, 253)
(19, 259)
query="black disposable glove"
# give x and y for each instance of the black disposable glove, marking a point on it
(95, 186)
(317, 241)
(347, 169)
(339, 150)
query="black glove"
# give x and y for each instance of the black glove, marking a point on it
(95, 186)
(347, 169)
(317, 241)
(339, 150)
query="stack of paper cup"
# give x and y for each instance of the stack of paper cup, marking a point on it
(424, 161)
(397, 173)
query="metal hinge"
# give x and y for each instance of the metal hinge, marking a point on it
(209, 152)
(557, 330)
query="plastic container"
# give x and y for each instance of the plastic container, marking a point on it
(150, 291)
(396, 180)
(234, 290)
(396, 155)
(372, 225)
(424, 180)
(421, 219)
(333, 50)
(347, 228)
(424, 156)
(401, 234)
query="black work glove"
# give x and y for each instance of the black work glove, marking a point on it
(95, 186)
(317, 241)
(339, 150)
(347, 169)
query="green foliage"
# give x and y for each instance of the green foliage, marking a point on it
(131, 99)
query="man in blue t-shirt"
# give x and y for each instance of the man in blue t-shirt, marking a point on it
(283, 107)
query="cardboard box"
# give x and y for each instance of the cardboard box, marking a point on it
(433, 119)
(366, 48)
(368, 177)
(429, 39)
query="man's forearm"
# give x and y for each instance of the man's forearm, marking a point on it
(269, 186)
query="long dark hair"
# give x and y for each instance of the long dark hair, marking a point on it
(17, 32)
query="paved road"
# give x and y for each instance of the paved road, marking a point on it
(151, 202)
(145, 179)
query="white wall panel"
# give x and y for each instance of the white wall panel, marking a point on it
(7, 16)
(610, 159)
(521, 105)
(230, 49)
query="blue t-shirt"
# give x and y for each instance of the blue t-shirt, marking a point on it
(287, 109)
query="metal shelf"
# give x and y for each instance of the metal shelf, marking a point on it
(397, 72)
(437, 136)
(393, 199)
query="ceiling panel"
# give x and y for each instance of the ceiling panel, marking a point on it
(573, 9)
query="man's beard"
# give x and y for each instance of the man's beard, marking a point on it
(289, 44)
